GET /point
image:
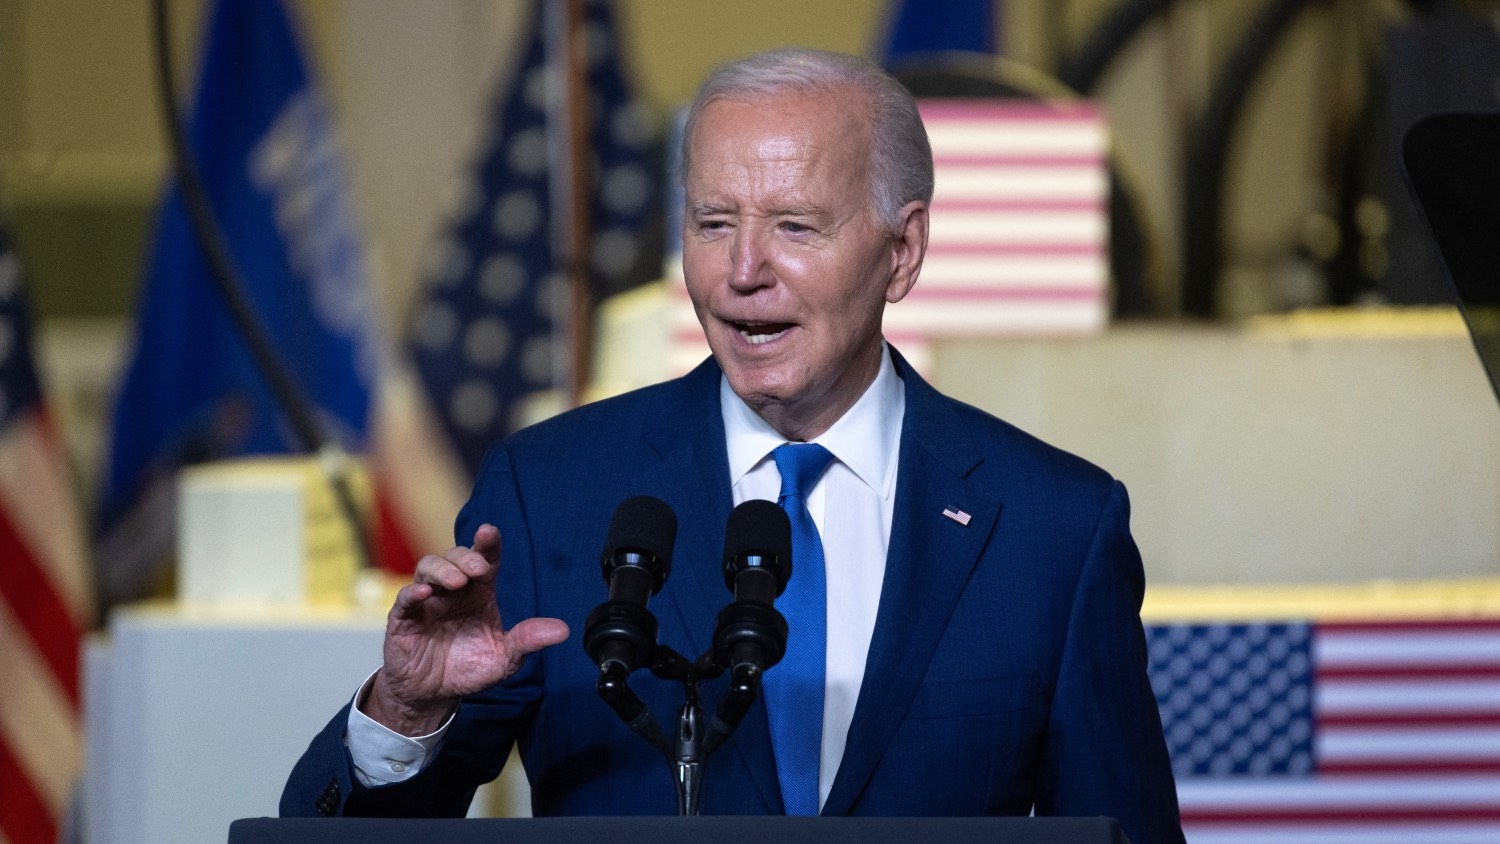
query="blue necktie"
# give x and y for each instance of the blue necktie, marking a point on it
(794, 687)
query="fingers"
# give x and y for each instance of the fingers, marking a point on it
(458, 566)
(410, 596)
(487, 543)
(452, 571)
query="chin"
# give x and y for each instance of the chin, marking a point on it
(756, 386)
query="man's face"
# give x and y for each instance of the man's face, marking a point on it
(786, 263)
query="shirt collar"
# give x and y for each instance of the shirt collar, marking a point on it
(866, 438)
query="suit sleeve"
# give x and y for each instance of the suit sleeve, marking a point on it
(323, 778)
(1104, 753)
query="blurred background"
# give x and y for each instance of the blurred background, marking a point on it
(1269, 355)
(1307, 203)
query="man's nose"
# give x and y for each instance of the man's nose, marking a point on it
(751, 259)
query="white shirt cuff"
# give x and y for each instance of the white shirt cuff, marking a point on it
(381, 755)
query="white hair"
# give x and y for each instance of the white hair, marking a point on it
(900, 156)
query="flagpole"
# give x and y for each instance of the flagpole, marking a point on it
(576, 256)
(227, 281)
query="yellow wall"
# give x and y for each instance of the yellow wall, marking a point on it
(675, 43)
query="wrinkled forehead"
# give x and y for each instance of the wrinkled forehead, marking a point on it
(836, 101)
(826, 125)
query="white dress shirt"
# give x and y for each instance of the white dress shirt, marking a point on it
(852, 505)
(856, 531)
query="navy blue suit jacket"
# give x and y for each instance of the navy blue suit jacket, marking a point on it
(1007, 668)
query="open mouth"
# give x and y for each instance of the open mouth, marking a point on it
(756, 333)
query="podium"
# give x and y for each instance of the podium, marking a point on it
(160, 690)
(674, 830)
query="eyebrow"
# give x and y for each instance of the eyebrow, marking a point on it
(799, 211)
(703, 209)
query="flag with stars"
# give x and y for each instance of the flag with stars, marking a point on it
(1305, 731)
(44, 590)
(488, 335)
(192, 391)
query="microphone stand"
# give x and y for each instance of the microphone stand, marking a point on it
(692, 742)
(749, 638)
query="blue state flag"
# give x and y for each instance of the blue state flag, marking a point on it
(192, 392)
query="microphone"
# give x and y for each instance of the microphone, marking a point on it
(751, 633)
(620, 634)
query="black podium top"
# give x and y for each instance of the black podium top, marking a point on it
(672, 830)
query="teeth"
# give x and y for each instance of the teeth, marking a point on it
(756, 339)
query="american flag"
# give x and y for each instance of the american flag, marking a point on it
(45, 594)
(1019, 225)
(1331, 732)
(1019, 233)
(486, 336)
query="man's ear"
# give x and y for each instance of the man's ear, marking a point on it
(908, 246)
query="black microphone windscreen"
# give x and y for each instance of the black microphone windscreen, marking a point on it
(646, 525)
(758, 528)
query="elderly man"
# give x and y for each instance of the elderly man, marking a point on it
(981, 651)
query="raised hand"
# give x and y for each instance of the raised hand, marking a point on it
(444, 639)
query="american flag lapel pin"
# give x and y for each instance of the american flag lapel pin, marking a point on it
(957, 515)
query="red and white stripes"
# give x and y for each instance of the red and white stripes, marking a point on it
(44, 611)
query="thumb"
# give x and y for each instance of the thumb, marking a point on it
(533, 634)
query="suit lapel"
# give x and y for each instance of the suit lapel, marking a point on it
(928, 562)
(693, 476)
